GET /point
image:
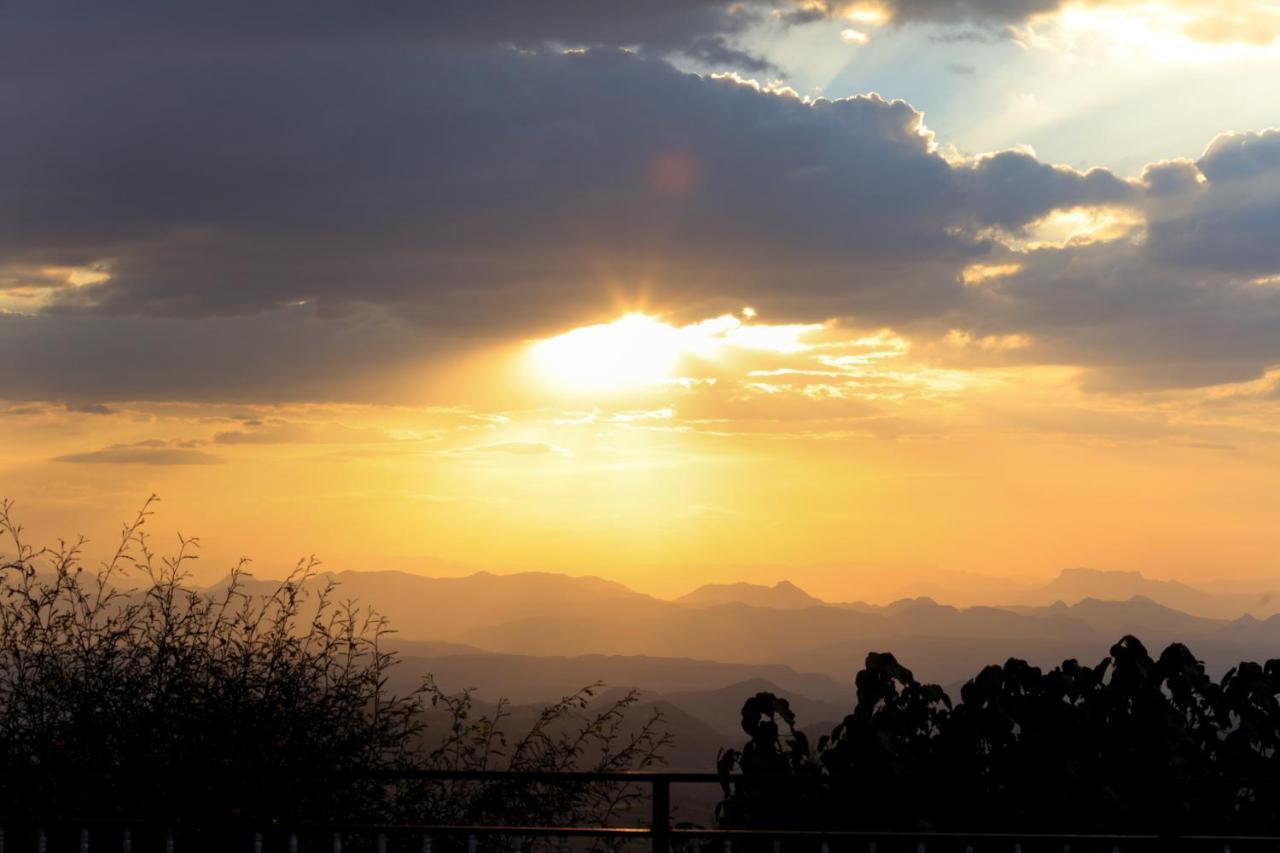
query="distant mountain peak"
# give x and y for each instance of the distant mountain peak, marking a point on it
(1080, 584)
(783, 595)
(910, 602)
(1133, 602)
(1086, 573)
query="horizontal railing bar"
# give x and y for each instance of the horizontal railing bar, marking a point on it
(645, 832)
(632, 776)
(635, 776)
(659, 780)
(872, 834)
(421, 828)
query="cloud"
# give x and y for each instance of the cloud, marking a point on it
(990, 181)
(517, 448)
(391, 188)
(279, 431)
(1223, 22)
(704, 30)
(90, 408)
(1183, 300)
(969, 11)
(1221, 212)
(149, 452)
(300, 207)
(275, 355)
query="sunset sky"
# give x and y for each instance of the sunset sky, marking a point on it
(670, 292)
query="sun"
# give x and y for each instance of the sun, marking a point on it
(627, 354)
(638, 351)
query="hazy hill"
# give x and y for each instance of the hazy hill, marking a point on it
(1138, 615)
(431, 648)
(963, 588)
(448, 608)
(534, 637)
(525, 678)
(700, 721)
(574, 626)
(722, 707)
(1074, 585)
(783, 595)
(694, 742)
(967, 590)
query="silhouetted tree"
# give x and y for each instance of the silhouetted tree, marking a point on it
(163, 700)
(1134, 744)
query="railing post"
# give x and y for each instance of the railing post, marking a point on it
(84, 839)
(660, 821)
(42, 841)
(293, 842)
(337, 842)
(472, 844)
(426, 844)
(257, 842)
(382, 842)
(564, 844)
(126, 841)
(169, 843)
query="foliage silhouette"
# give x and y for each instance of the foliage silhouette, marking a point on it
(1134, 744)
(166, 701)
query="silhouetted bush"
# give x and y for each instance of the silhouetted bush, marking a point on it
(162, 700)
(1134, 744)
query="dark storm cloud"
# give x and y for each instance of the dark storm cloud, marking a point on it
(1013, 188)
(480, 188)
(289, 210)
(1135, 324)
(1223, 211)
(1195, 303)
(283, 355)
(55, 35)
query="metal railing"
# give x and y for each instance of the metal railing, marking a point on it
(33, 834)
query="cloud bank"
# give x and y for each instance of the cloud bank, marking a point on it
(232, 203)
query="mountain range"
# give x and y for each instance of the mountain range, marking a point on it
(559, 616)
(532, 637)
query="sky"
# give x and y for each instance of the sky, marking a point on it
(673, 292)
